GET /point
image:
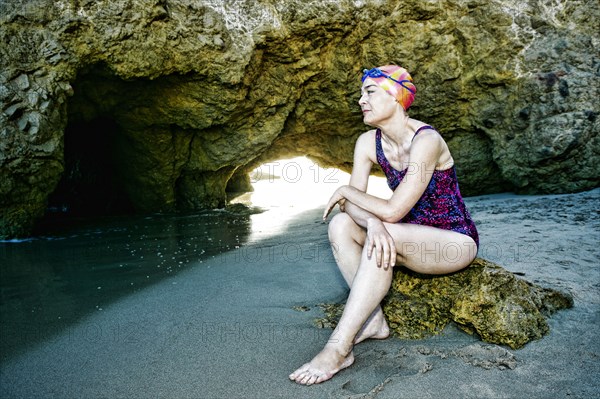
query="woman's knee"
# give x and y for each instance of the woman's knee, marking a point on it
(340, 225)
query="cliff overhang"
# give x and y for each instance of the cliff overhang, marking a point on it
(159, 105)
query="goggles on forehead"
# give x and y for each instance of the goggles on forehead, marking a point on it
(378, 73)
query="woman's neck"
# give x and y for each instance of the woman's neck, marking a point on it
(399, 130)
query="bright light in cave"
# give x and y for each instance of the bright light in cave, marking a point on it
(286, 188)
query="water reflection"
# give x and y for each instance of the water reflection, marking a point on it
(67, 271)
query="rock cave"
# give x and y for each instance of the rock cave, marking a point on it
(158, 106)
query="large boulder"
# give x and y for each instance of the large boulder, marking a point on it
(156, 105)
(483, 299)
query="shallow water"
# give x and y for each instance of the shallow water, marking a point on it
(70, 269)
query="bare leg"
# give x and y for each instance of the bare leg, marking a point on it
(421, 248)
(347, 240)
(370, 285)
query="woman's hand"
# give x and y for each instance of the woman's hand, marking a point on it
(342, 205)
(336, 197)
(379, 238)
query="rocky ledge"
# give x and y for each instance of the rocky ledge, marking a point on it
(159, 105)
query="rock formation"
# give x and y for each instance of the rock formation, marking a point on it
(484, 299)
(157, 104)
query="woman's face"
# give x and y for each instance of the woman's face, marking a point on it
(376, 104)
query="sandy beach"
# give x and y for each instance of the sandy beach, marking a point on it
(235, 325)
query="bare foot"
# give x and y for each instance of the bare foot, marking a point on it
(323, 366)
(375, 328)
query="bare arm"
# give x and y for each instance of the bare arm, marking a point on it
(424, 155)
(378, 237)
(359, 215)
(364, 157)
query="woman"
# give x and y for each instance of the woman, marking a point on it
(423, 226)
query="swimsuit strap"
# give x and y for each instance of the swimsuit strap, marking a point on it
(381, 159)
(422, 128)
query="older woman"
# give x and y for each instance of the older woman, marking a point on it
(423, 226)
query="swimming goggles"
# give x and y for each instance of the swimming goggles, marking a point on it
(378, 73)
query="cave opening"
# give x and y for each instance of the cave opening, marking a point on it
(90, 183)
(298, 183)
(289, 187)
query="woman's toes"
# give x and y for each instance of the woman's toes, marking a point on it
(307, 380)
(300, 372)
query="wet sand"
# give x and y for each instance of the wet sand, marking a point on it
(236, 324)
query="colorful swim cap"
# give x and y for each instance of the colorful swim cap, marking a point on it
(396, 81)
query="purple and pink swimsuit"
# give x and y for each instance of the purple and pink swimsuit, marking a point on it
(441, 205)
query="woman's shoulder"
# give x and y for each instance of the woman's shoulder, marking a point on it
(429, 142)
(368, 135)
(365, 144)
(366, 139)
(419, 127)
(424, 132)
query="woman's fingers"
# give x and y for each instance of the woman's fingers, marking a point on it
(374, 244)
(385, 251)
(378, 250)
(380, 240)
(342, 205)
(389, 254)
(329, 207)
(370, 245)
(335, 198)
(386, 256)
(393, 252)
(326, 213)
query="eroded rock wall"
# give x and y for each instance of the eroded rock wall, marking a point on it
(199, 92)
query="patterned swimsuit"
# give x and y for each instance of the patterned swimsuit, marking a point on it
(441, 205)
